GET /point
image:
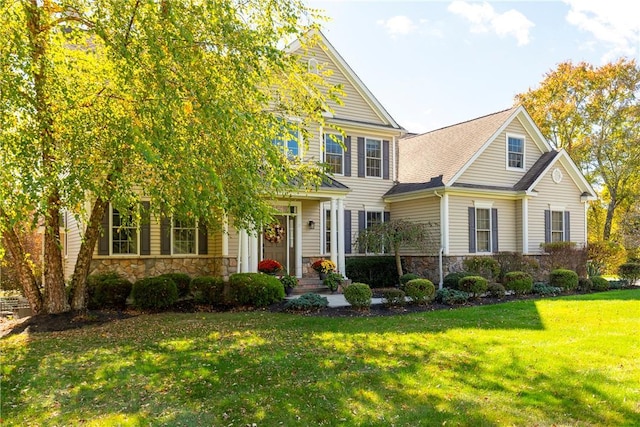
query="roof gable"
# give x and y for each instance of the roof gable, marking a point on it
(360, 104)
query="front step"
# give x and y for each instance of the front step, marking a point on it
(306, 285)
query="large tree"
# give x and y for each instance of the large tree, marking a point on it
(594, 113)
(177, 102)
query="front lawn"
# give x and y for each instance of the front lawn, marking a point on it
(562, 361)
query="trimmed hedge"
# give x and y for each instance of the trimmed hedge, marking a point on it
(599, 283)
(308, 301)
(452, 280)
(474, 285)
(255, 289)
(183, 282)
(451, 296)
(483, 266)
(565, 279)
(519, 282)
(108, 290)
(208, 290)
(377, 271)
(585, 284)
(630, 271)
(394, 298)
(496, 290)
(154, 293)
(408, 276)
(358, 295)
(421, 291)
(540, 288)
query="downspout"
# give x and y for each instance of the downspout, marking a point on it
(441, 251)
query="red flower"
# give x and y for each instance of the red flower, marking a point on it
(269, 266)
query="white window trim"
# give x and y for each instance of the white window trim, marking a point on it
(366, 225)
(196, 242)
(370, 138)
(137, 253)
(325, 210)
(324, 151)
(284, 143)
(562, 230)
(524, 152)
(487, 207)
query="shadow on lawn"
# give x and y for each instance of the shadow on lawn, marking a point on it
(211, 369)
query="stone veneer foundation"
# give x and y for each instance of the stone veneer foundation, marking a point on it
(138, 268)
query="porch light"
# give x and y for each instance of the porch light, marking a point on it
(312, 225)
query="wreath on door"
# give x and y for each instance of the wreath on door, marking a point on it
(274, 233)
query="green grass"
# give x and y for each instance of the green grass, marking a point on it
(562, 361)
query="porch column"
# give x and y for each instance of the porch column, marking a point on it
(340, 226)
(525, 226)
(244, 252)
(253, 253)
(334, 231)
(298, 244)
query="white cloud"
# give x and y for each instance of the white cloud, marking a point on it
(484, 18)
(613, 22)
(398, 25)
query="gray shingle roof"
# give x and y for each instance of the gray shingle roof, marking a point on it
(328, 182)
(532, 174)
(443, 152)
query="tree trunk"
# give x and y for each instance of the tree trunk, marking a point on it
(27, 280)
(55, 292)
(81, 271)
(606, 234)
(396, 251)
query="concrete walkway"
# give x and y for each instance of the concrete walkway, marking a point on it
(338, 300)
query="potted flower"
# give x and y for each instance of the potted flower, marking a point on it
(289, 283)
(332, 281)
(323, 266)
(269, 266)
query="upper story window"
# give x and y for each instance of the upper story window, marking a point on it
(483, 230)
(312, 65)
(184, 237)
(333, 153)
(373, 156)
(557, 226)
(515, 152)
(124, 233)
(289, 141)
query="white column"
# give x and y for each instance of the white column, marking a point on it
(444, 223)
(525, 226)
(298, 244)
(334, 231)
(340, 226)
(225, 236)
(244, 252)
(253, 253)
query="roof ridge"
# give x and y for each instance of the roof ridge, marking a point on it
(461, 123)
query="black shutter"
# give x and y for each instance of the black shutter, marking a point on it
(387, 216)
(361, 160)
(472, 230)
(203, 240)
(385, 159)
(494, 230)
(145, 228)
(347, 156)
(567, 226)
(362, 224)
(103, 239)
(547, 226)
(347, 232)
(165, 236)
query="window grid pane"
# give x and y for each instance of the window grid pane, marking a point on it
(124, 235)
(557, 226)
(373, 219)
(327, 233)
(483, 230)
(373, 157)
(516, 152)
(184, 237)
(333, 153)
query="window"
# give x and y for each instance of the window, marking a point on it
(483, 230)
(515, 152)
(184, 237)
(373, 157)
(333, 153)
(327, 231)
(373, 219)
(289, 142)
(124, 233)
(557, 226)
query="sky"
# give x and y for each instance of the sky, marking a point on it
(437, 63)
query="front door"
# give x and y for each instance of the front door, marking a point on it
(278, 242)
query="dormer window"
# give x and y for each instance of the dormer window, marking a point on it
(312, 65)
(515, 152)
